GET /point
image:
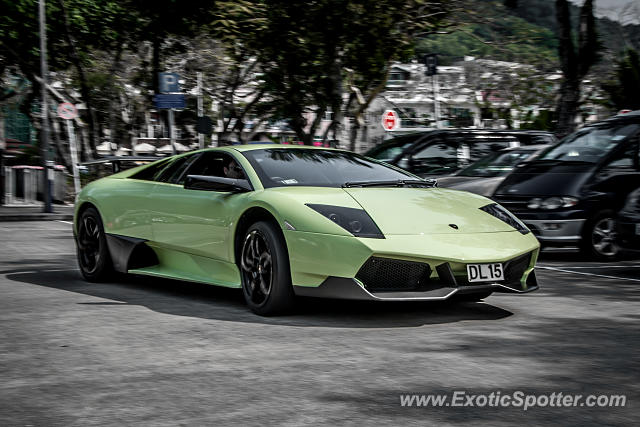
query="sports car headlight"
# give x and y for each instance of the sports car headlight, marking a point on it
(355, 221)
(551, 203)
(504, 215)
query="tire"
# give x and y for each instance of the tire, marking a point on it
(265, 272)
(472, 297)
(599, 237)
(92, 252)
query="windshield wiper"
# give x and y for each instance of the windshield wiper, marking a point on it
(398, 183)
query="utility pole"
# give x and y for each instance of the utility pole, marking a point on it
(200, 109)
(172, 137)
(44, 132)
(431, 61)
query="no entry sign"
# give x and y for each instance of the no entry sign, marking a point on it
(390, 120)
(67, 111)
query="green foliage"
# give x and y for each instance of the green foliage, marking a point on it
(525, 42)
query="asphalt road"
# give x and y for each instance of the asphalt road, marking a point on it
(152, 352)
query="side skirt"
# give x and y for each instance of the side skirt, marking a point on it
(129, 252)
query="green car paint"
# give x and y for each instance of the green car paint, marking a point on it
(193, 233)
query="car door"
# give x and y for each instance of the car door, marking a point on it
(124, 207)
(194, 221)
(619, 174)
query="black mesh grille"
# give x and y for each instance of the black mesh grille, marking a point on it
(384, 274)
(514, 269)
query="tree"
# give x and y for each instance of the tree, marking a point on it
(624, 91)
(306, 52)
(574, 64)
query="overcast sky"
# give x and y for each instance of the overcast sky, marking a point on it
(612, 8)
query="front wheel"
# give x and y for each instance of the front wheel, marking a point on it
(91, 247)
(264, 267)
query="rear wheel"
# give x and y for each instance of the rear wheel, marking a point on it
(264, 267)
(599, 237)
(91, 247)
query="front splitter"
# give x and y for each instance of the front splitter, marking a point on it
(347, 288)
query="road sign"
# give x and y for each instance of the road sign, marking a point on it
(390, 120)
(67, 111)
(168, 101)
(168, 82)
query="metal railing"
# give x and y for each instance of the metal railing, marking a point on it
(23, 185)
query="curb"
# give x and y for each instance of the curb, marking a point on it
(36, 217)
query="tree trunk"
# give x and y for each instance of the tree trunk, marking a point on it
(568, 102)
(85, 92)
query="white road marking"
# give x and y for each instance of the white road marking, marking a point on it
(590, 266)
(42, 271)
(590, 274)
(66, 222)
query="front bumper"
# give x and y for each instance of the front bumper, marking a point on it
(345, 288)
(332, 266)
(558, 232)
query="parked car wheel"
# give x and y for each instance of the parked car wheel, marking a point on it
(599, 237)
(264, 266)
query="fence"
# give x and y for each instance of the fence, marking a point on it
(23, 185)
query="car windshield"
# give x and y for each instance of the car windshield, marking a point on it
(589, 145)
(387, 151)
(496, 164)
(288, 167)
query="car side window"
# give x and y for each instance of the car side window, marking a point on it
(151, 172)
(480, 148)
(173, 172)
(625, 161)
(436, 158)
(213, 163)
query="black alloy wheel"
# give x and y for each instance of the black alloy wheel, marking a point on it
(91, 247)
(264, 267)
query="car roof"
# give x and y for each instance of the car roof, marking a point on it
(276, 147)
(527, 147)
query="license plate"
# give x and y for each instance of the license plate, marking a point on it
(638, 229)
(484, 272)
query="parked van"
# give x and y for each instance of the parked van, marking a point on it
(570, 194)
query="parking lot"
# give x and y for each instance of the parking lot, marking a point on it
(159, 352)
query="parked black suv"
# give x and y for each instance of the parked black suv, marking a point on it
(445, 151)
(570, 194)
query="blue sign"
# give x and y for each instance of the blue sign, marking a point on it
(168, 82)
(167, 101)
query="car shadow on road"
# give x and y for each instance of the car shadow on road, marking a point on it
(212, 302)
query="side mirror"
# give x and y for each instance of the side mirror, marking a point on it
(216, 183)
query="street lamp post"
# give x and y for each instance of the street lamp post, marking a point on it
(48, 172)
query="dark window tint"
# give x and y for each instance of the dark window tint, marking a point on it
(435, 159)
(317, 168)
(590, 144)
(173, 172)
(389, 150)
(212, 163)
(481, 147)
(152, 172)
(497, 164)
